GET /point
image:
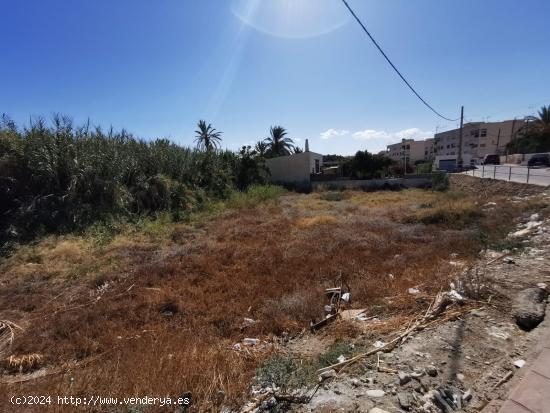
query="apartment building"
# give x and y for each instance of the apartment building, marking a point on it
(411, 151)
(478, 139)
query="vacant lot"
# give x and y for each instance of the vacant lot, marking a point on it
(156, 309)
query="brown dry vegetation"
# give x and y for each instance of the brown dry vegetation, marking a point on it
(157, 312)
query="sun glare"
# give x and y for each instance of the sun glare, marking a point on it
(291, 18)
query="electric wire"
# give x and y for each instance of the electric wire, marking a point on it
(393, 66)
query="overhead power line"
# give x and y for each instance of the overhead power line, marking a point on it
(393, 66)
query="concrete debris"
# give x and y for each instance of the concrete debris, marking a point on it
(519, 363)
(460, 377)
(404, 402)
(498, 333)
(355, 383)
(543, 286)
(404, 378)
(327, 374)
(417, 374)
(377, 410)
(375, 393)
(529, 307)
(431, 371)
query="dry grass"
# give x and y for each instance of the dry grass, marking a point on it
(156, 312)
(316, 220)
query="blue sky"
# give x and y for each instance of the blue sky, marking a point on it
(157, 67)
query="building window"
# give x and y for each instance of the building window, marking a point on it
(482, 145)
(483, 133)
(317, 168)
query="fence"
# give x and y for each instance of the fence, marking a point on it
(521, 174)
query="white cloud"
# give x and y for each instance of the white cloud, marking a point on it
(411, 133)
(332, 133)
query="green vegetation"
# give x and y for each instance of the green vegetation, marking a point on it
(58, 177)
(287, 372)
(440, 181)
(330, 357)
(333, 196)
(534, 135)
(365, 165)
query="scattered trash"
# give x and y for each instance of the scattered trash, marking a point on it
(508, 260)
(449, 398)
(353, 314)
(375, 393)
(379, 344)
(251, 341)
(341, 358)
(346, 297)
(519, 363)
(413, 290)
(247, 322)
(454, 294)
(460, 377)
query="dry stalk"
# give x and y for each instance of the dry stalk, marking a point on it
(441, 302)
(7, 335)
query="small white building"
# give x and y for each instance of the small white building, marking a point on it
(296, 169)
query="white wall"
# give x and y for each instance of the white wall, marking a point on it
(293, 169)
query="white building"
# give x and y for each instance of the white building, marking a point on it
(411, 151)
(296, 169)
(478, 139)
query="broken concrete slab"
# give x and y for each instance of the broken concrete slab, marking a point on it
(529, 307)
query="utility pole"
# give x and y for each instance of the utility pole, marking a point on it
(460, 137)
(498, 140)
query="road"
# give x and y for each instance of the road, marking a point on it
(514, 173)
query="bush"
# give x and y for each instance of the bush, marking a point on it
(333, 196)
(254, 195)
(58, 178)
(440, 181)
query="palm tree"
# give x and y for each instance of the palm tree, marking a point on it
(261, 148)
(207, 137)
(278, 143)
(543, 121)
(297, 149)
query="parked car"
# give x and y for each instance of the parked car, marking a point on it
(491, 160)
(542, 159)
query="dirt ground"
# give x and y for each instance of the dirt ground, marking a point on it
(160, 310)
(473, 353)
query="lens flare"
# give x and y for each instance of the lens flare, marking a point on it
(291, 19)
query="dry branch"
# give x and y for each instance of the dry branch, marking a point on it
(440, 303)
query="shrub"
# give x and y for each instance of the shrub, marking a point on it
(333, 196)
(60, 177)
(440, 181)
(254, 195)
